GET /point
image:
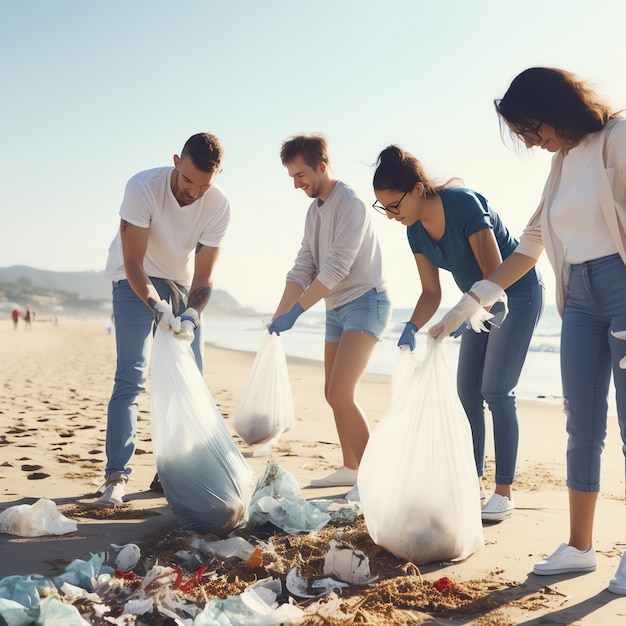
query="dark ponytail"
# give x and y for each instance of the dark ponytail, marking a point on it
(400, 171)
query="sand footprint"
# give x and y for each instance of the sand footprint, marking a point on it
(37, 476)
(31, 468)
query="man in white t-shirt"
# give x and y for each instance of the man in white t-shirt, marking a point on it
(161, 264)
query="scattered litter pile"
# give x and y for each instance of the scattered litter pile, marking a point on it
(294, 562)
(333, 576)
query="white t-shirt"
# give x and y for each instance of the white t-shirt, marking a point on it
(175, 231)
(575, 214)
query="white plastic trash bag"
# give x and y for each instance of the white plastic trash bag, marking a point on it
(402, 372)
(35, 520)
(265, 409)
(207, 482)
(417, 480)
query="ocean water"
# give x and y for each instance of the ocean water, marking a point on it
(540, 377)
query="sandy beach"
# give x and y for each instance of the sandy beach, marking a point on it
(55, 385)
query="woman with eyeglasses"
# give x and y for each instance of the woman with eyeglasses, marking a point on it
(454, 228)
(581, 223)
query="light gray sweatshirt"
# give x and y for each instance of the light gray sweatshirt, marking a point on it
(339, 248)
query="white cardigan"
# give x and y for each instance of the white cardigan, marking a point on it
(611, 160)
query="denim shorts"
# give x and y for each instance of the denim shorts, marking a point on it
(368, 313)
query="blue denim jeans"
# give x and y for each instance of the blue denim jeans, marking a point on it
(134, 328)
(489, 368)
(595, 306)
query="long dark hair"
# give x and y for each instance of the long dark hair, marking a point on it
(555, 97)
(399, 170)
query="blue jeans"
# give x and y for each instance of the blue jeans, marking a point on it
(369, 313)
(134, 328)
(595, 306)
(489, 368)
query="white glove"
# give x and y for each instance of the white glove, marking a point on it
(470, 311)
(466, 310)
(488, 293)
(164, 317)
(189, 321)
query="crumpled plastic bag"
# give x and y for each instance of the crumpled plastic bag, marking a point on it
(19, 598)
(207, 482)
(256, 606)
(265, 408)
(347, 564)
(35, 520)
(80, 573)
(417, 479)
(54, 611)
(232, 546)
(277, 501)
(29, 599)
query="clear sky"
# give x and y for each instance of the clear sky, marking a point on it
(93, 92)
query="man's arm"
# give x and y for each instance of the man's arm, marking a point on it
(134, 245)
(202, 283)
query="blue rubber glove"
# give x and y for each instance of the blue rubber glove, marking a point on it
(286, 320)
(407, 338)
(459, 331)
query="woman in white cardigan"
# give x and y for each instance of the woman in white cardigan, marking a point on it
(581, 223)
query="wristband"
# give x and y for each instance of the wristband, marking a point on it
(188, 318)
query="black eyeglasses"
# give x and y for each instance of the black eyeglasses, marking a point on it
(530, 133)
(392, 208)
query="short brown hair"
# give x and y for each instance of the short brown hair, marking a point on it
(205, 151)
(313, 148)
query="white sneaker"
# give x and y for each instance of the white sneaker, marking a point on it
(567, 560)
(617, 584)
(498, 508)
(113, 490)
(343, 477)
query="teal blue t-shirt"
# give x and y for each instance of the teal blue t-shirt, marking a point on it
(466, 212)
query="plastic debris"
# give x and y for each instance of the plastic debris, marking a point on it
(330, 607)
(127, 556)
(53, 611)
(276, 501)
(442, 585)
(75, 593)
(346, 564)
(233, 546)
(302, 588)
(108, 580)
(256, 606)
(35, 520)
(81, 573)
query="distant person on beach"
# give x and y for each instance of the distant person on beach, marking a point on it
(15, 316)
(172, 223)
(581, 222)
(29, 318)
(339, 261)
(455, 228)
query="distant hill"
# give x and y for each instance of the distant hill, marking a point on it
(78, 292)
